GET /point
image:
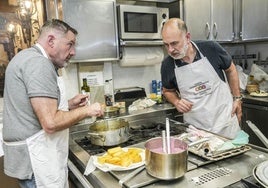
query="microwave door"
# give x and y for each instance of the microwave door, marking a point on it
(141, 22)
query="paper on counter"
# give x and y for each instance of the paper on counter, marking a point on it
(90, 167)
(141, 104)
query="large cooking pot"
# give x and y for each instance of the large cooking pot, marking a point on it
(166, 166)
(109, 132)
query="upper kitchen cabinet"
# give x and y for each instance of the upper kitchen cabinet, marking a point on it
(209, 19)
(227, 20)
(96, 23)
(254, 20)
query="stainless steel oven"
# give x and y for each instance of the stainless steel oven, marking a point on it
(141, 22)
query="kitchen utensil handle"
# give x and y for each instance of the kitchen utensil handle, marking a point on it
(168, 135)
(164, 143)
(215, 30)
(257, 131)
(198, 142)
(131, 175)
(207, 29)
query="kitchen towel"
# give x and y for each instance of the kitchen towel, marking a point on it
(141, 56)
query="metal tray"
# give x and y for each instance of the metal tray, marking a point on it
(222, 155)
(196, 148)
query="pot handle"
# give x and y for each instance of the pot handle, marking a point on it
(97, 136)
(126, 131)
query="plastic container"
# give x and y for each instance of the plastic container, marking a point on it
(154, 86)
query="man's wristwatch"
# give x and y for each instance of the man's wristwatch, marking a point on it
(237, 98)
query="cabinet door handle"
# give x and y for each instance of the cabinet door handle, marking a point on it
(207, 30)
(215, 30)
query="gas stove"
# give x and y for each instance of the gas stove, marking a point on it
(138, 133)
(149, 124)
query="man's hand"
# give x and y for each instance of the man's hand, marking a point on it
(78, 101)
(96, 109)
(237, 109)
(183, 105)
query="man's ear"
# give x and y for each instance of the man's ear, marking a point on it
(188, 36)
(50, 40)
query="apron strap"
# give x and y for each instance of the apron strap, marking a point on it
(22, 142)
(15, 143)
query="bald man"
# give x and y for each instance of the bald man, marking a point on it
(193, 78)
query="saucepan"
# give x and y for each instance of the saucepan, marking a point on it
(166, 166)
(109, 132)
(111, 112)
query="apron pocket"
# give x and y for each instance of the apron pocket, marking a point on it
(45, 164)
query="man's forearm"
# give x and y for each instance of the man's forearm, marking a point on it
(233, 80)
(171, 95)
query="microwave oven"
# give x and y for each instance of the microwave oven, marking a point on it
(141, 22)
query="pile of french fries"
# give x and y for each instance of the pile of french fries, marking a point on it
(117, 156)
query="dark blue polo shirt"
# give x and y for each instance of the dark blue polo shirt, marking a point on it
(216, 55)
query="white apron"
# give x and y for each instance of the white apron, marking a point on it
(199, 83)
(1, 139)
(49, 152)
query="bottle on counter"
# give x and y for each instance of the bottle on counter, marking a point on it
(108, 93)
(252, 85)
(154, 86)
(85, 89)
(159, 92)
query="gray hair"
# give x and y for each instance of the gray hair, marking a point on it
(178, 22)
(181, 25)
(58, 25)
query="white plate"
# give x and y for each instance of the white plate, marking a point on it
(110, 167)
(260, 94)
(260, 172)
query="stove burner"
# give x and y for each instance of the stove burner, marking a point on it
(138, 134)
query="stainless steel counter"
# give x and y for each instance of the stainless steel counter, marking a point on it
(263, 101)
(228, 171)
(255, 109)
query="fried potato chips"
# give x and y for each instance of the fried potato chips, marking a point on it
(121, 157)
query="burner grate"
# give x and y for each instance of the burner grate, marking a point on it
(138, 134)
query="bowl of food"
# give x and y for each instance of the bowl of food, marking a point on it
(252, 88)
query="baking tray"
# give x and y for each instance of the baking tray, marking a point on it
(222, 155)
(197, 149)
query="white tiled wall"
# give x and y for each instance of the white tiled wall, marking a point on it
(260, 48)
(135, 76)
(122, 76)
